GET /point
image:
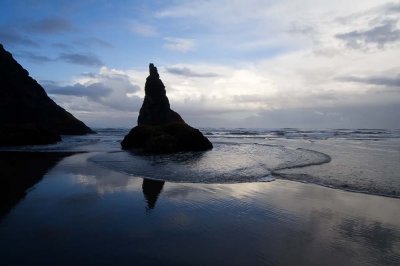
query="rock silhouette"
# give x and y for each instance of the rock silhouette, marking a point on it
(160, 129)
(151, 190)
(27, 115)
(155, 109)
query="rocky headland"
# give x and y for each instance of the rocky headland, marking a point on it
(27, 115)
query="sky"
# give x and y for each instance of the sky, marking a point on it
(225, 63)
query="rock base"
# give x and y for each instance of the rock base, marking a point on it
(19, 135)
(167, 138)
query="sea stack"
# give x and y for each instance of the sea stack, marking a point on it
(160, 129)
(27, 115)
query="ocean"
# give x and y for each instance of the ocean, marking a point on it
(259, 197)
(361, 160)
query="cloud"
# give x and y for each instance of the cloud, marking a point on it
(93, 91)
(50, 25)
(87, 43)
(9, 37)
(179, 44)
(250, 60)
(187, 72)
(89, 74)
(36, 58)
(92, 41)
(72, 58)
(178, 11)
(374, 80)
(62, 46)
(379, 36)
(258, 29)
(392, 8)
(284, 91)
(143, 29)
(81, 59)
(297, 81)
(107, 89)
(299, 28)
(351, 116)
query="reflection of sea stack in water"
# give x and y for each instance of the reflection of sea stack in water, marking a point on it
(27, 114)
(151, 191)
(160, 129)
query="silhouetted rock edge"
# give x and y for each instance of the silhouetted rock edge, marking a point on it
(160, 129)
(27, 115)
(168, 138)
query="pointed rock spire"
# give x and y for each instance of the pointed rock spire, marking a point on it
(153, 71)
(156, 109)
(160, 129)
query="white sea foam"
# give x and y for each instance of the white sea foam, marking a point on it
(366, 160)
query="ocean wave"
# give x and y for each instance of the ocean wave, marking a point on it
(318, 158)
(337, 184)
(363, 159)
(315, 134)
(226, 163)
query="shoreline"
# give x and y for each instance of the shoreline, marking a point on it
(275, 176)
(79, 206)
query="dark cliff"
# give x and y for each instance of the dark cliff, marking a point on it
(27, 114)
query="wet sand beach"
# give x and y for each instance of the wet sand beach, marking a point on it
(81, 213)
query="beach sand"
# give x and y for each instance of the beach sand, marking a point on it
(79, 213)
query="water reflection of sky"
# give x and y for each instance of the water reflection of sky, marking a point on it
(82, 213)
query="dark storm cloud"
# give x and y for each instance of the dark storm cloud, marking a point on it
(379, 35)
(374, 80)
(92, 91)
(49, 25)
(81, 59)
(9, 37)
(184, 71)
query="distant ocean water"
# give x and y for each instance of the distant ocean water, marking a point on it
(362, 160)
